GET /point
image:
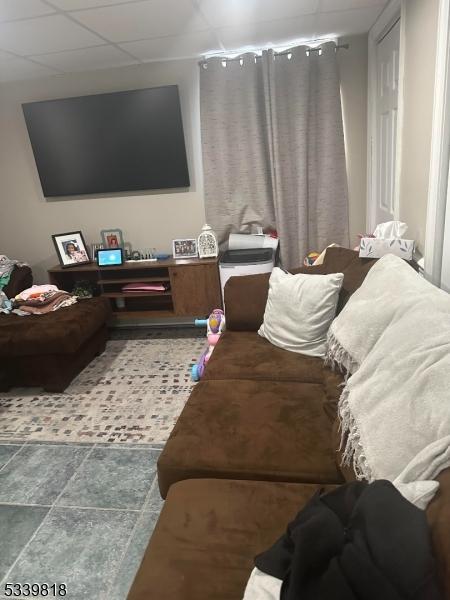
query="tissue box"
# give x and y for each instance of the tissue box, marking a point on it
(378, 247)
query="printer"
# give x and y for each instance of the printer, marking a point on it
(245, 261)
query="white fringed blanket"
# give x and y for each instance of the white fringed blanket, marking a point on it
(393, 337)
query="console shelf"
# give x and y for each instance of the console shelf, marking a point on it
(194, 287)
(135, 294)
(134, 280)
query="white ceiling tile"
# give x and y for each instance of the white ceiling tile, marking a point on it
(181, 46)
(22, 9)
(220, 13)
(80, 4)
(275, 33)
(87, 59)
(347, 22)
(47, 34)
(335, 5)
(151, 18)
(21, 68)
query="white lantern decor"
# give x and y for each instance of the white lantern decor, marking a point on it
(207, 243)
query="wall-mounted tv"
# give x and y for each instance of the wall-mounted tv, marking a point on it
(105, 143)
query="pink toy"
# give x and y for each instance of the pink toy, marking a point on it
(215, 325)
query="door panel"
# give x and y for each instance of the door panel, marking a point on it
(445, 268)
(195, 289)
(386, 131)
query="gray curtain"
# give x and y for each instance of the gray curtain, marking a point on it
(273, 148)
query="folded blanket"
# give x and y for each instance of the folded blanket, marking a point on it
(35, 291)
(394, 410)
(60, 301)
(42, 299)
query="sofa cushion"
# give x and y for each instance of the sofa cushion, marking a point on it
(355, 269)
(299, 311)
(242, 429)
(246, 297)
(246, 355)
(62, 331)
(208, 534)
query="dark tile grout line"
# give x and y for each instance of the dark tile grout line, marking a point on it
(19, 449)
(5, 578)
(53, 506)
(107, 592)
(74, 506)
(109, 445)
(123, 445)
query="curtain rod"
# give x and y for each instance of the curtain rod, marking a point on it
(284, 53)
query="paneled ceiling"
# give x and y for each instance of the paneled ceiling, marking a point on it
(45, 37)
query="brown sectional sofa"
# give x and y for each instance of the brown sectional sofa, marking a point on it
(259, 409)
(256, 439)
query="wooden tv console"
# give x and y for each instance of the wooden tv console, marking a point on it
(193, 286)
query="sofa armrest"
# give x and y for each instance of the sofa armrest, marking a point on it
(438, 517)
(245, 299)
(21, 279)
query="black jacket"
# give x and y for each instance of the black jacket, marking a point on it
(359, 542)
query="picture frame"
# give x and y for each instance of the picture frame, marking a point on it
(94, 248)
(112, 238)
(71, 249)
(184, 248)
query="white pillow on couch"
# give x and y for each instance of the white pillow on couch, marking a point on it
(299, 311)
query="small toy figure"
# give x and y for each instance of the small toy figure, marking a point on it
(215, 325)
(310, 258)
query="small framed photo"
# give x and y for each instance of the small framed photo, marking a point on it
(71, 249)
(112, 238)
(184, 248)
(94, 249)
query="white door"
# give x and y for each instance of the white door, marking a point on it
(387, 63)
(445, 268)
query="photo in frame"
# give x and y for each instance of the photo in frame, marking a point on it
(112, 238)
(71, 249)
(94, 248)
(184, 248)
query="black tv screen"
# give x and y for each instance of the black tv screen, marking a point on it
(105, 143)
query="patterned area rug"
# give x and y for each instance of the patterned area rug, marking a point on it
(132, 393)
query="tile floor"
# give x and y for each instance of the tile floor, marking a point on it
(79, 514)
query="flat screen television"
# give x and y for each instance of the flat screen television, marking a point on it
(104, 143)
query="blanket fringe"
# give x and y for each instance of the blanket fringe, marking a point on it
(337, 357)
(351, 447)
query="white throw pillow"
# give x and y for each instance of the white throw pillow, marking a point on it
(299, 311)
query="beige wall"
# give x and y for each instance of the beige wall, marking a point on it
(353, 70)
(27, 219)
(420, 25)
